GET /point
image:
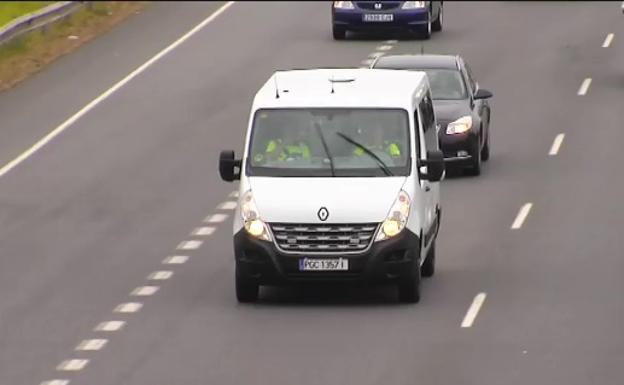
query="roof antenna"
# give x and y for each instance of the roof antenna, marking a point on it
(332, 83)
(276, 88)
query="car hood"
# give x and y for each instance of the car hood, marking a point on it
(348, 200)
(447, 111)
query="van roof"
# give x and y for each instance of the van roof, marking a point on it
(352, 87)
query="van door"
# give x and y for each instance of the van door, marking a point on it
(430, 189)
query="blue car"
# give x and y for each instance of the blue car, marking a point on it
(421, 17)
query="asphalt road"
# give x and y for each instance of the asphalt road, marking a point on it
(87, 218)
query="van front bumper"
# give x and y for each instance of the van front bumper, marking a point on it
(384, 261)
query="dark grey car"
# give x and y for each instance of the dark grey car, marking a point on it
(461, 106)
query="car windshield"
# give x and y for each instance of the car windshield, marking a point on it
(329, 142)
(446, 84)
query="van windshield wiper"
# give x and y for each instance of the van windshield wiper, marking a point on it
(331, 159)
(384, 167)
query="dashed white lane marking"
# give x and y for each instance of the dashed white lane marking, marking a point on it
(58, 130)
(556, 144)
(366, 63)
(607, 41)
(391, 41)
(72, 365)
(130, 307)
(384, 48)
(584, 86)
(55, 382)
(160, 275)
(522, 214)
(190, 245)
(110, 326)
(203, 231)
(144, 291)
(91, 345)
(216, 218)
(473, 310)
(227, 205)
(233, 194)
(176, 260)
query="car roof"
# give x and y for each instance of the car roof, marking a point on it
(427, 61)
(353, 88)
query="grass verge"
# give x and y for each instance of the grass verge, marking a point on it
(31, 52)
(10, 10)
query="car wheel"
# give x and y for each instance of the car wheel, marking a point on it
(409, 286)
(426, 30)
(475, 168)
(340, 33)
(428, 268)
(485, 152)
(437, 24)
(246, 289)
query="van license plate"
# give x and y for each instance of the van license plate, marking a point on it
(317, 264)
(378, 17)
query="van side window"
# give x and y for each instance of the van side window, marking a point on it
(431, 134)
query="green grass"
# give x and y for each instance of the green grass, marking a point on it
(10, 10)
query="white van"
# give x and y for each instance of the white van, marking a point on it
(339, 181)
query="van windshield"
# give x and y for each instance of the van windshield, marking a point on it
(329, 142)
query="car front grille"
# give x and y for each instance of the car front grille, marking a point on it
(385, 5)
(323, 238)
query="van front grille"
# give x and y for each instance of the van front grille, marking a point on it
(323, 238)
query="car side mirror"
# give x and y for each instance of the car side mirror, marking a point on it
(435, 166)
(229, 166)
(483, 94)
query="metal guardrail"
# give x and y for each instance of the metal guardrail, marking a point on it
(38, 19)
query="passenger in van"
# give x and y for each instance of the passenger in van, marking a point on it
(373, 139)
(292, 145)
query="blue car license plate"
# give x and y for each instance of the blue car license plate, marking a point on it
(378, 17)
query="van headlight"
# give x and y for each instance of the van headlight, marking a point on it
(397, 217)
(413, 4)
(459, 126)
(253, 224)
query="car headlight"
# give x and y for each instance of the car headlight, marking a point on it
(397, 217)
(413, 4)
(253, 224)
(459, 126)
(343, 4)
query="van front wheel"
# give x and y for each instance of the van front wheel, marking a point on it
(409, 286)
(246, 289)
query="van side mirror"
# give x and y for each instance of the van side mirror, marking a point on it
(435, 166)
(483, 94)
(229, 167)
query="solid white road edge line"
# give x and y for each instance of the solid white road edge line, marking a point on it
(58, 130)
(473, 310)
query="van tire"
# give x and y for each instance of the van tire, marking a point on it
(409, 287)
(425, 32)
(246, 290)
(428, 268)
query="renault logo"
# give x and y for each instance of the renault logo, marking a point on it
(377, 5)
(323, 214)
